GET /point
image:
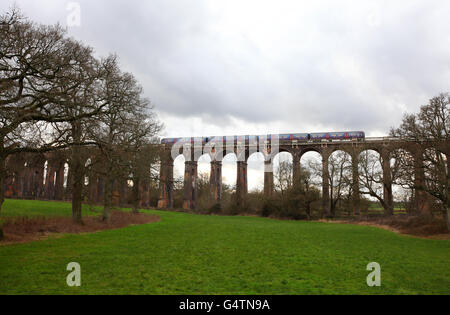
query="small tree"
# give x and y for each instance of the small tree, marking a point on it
(283, 177)
(304, 192)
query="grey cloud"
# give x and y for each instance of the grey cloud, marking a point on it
(313, 67)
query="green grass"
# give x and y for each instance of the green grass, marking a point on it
(194, 254)
(376, 208)
(32, 208)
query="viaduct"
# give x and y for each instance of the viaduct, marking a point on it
(26, 173)
(383, 145)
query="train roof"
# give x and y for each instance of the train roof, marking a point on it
(253, 136)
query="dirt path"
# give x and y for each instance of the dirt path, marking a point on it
(440, 236)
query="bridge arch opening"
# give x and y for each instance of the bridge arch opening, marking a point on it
(229, 172)
(87, 166)
(311, 163)
(340, 179)
(54, 178)
(402, 170)
(203, 179)
(44, 181)
(66, 174)
(256, 172)
(371, 178)
(204, 166)
(283, 169)
(178, 180)
(178, 168)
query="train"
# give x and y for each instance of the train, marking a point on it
(283, 138)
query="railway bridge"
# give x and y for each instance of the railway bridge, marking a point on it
(243, 149)
(46, 175)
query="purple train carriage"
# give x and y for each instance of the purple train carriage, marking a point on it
(341, 136)
(283, 138)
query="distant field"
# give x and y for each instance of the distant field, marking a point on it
(195, 254)
(378, 209)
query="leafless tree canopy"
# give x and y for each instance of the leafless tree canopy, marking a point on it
(55, 94)
(426, 168)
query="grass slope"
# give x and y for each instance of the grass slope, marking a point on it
(193, 254)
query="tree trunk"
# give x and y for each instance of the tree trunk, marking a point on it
(333, 207)
(2, 188)
(2, 179)
(419, 185)
(107, 199)
(355, 186)
(76, 171)
(388, 209)
(135, 196)
(388, 197)
(77, 188)
(325, 187)
(308, 210)
(447, 214)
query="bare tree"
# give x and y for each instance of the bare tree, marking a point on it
(26, 66)
(81, 99)
(429, 130)
(48, 88)
(377, 182)
(283, 177)
(340, 170)
(144, 152)
(339, 177)
(125, 133)
(304, 192)
(294, 197)
(53, 91)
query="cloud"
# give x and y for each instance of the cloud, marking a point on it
(289, 65)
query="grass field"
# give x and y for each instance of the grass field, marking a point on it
(33, 208)
(194, 254)
(375, 208)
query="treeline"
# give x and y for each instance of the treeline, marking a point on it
(56, 94)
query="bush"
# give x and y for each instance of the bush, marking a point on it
(269, 208)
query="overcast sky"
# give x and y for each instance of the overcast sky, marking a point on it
(257, 67)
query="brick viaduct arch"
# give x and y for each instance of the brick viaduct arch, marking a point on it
(383, 146)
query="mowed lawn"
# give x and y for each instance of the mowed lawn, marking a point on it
(196, 254)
